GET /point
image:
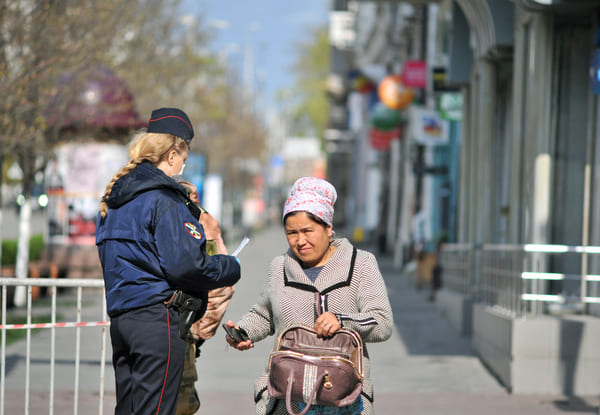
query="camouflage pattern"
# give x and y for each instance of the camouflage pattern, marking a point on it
(188, 402)
(211, 247)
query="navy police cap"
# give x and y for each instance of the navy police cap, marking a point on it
(171, 121)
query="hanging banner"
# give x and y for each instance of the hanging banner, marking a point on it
(381, 139)
(428, 127)
(414, 74)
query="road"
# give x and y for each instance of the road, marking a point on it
(10, 223)
(425, 368)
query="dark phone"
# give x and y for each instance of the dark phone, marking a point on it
(239, 335)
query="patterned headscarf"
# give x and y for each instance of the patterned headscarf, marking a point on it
(313, 195)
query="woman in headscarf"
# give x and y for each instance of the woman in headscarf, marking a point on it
(351, 290)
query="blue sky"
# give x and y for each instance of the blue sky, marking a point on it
(270, 28)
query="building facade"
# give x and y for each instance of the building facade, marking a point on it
(513, 187)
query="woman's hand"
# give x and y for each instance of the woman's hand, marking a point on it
(327, 324)
(245, 345)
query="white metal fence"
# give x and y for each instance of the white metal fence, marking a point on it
(525, 279)
(53, 286)
(459, 265)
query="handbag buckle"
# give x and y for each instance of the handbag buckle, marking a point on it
(327, 383)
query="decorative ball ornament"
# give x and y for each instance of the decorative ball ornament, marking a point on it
(384, 118)
(393, 93)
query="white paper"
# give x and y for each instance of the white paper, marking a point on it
(242, 245)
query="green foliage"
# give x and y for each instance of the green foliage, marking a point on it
(311, 67)
(9, 249)
(36, 245)
(162, 57)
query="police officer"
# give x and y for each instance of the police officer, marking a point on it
(151, 246)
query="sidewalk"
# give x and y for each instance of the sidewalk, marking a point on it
(425, 368)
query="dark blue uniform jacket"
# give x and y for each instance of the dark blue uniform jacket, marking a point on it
(150, 244)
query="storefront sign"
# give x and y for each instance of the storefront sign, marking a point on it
(451, 106)
(414, 74)
(439, 77)
(342, 34)
(428, 127)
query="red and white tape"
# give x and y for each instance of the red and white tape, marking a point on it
(54, 325)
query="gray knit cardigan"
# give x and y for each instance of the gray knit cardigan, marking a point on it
(359, 298)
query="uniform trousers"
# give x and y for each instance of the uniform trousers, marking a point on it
(148, 357)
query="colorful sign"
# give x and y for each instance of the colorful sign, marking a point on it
(451, 106)
(414, 74)
(428, 127)
(381, 140)
(76, 178)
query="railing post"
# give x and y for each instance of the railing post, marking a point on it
(523, 262)
(103, 355)
(477, 275)
(28, 354)
(3, 352)
(52, 350)
(583, 289)
(77, 353)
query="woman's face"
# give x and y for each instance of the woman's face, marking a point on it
(174, 163)
(308, 239)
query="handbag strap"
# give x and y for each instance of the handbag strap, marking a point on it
(288, 394)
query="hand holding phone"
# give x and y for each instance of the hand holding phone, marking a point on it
(237, 334)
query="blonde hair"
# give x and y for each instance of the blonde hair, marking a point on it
(151, 147)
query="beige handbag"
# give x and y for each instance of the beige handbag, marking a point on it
(315, 370)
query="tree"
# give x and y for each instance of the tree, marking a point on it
(186, 75)
(233, 140)
(38, 40)
(41, 40)
(161, 56)
(309, 109)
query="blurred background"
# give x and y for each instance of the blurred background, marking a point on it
(79, 78)
(460, 135)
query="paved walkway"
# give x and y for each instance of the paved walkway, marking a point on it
(425, 368)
